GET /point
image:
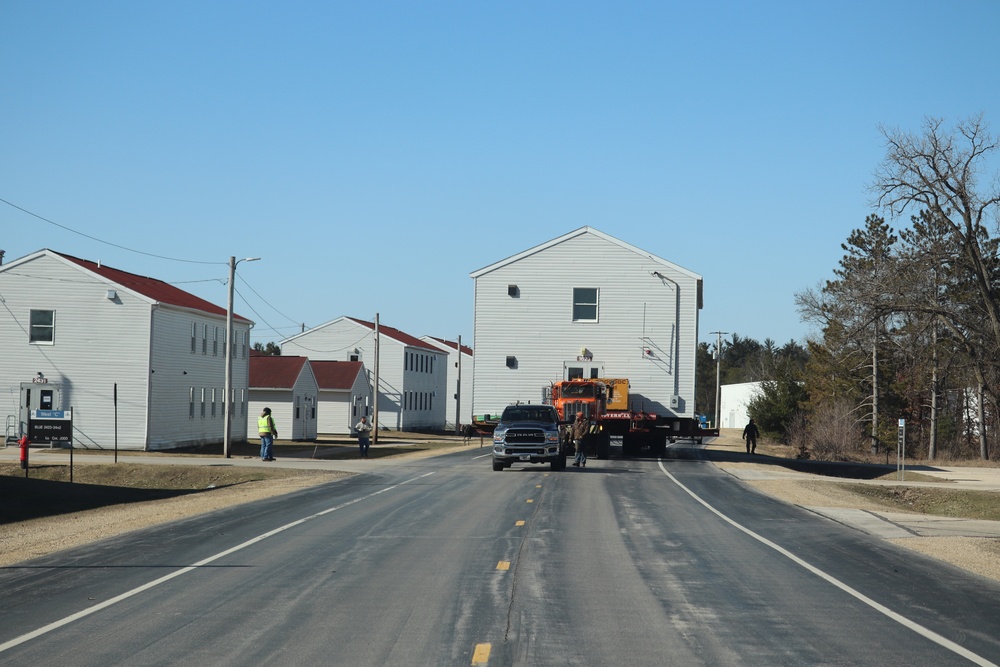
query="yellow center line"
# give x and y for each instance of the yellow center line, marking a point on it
(503, 565)
(530, 500)
(518, 523)
(481, 655)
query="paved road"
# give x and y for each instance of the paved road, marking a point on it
(443, 562)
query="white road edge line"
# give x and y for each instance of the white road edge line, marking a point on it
(899, 618)
(190, 568)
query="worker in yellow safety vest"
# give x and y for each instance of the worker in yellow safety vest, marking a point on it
(268, 432)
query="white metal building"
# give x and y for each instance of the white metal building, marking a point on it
(733, 402)
(99, 333)
(288, 386)
(586, 305)
(412, 373)
(465, 400)
(345, 395)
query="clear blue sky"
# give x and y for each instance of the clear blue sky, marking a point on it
(375, 153)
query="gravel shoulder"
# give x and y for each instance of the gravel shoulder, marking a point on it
(980, 555)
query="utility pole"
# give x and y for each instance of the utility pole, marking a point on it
(458, 391)
(718, 374)
(227, 393)
(375, 403)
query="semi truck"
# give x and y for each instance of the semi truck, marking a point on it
(606, 406)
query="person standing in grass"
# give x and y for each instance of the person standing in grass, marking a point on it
(268, 432)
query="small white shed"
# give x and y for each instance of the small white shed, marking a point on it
(288, 386)
(345, 395)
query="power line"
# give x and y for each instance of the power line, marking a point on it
(266, 302)
(94, 238)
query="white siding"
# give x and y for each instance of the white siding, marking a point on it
(733, 402)
(291, 409)
(452, 384)
(305, 394)
(142, 347)
(338, 340)
(176, 371)
(644, 304)
(340, 410)
(97, 343)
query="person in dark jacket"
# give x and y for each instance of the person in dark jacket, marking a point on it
(750, 434)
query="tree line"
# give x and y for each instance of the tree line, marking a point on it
(909, 326)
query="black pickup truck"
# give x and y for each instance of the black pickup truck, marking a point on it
(528, 434)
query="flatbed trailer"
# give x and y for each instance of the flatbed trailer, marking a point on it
(638, 430)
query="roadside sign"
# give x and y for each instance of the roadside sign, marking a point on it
(52, 427)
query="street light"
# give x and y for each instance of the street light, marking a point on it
(718, 369)
(230, 350)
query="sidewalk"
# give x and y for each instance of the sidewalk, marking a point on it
(289, 457)
(888, 525)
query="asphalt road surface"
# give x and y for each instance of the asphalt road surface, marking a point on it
(444, 562)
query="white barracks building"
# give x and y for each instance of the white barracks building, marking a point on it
(586, 305)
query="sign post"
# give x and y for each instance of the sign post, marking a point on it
(54, 427)
(901, 451)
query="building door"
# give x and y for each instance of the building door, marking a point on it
(37, 396)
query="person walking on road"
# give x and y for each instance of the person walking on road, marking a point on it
(268, 432)
(363, 428)
(577, 431)
(750, 434)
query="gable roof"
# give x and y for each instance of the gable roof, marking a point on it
(272, 372)
(450, 344)
(396, 334)
(386, 331)
(153, 289)
(580, 232)
(336, 374)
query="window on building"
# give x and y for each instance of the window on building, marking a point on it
(43, 327)
(202, 402)
(573, 373)
(194, 343)
(191, 399)
(584, 304)
(298, 408)
(244, 343)
(204, 339)
(243, 402)
(215, 343)
(214, 400)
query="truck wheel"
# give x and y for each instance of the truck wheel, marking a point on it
(497, 465)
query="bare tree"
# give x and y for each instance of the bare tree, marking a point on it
(939, 171)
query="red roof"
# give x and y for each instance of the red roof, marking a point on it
(396, 334)
(336, 374)
(451, 344)
(270, 372)
(150, 287)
